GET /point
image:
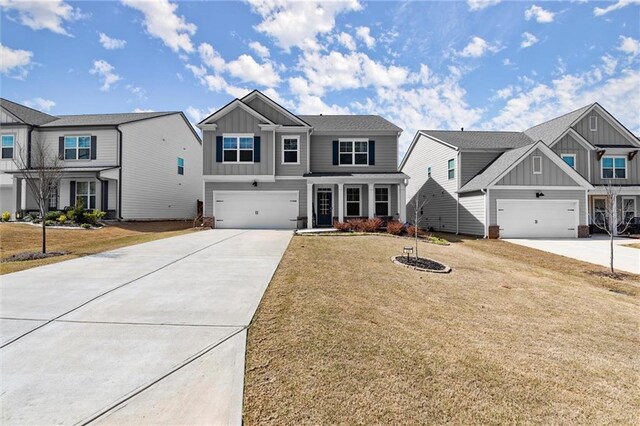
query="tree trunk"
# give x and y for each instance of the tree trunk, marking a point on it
(44, 236)
(611, 259)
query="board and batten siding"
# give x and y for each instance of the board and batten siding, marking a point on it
(440, 211)
(568, 145)
(472, 214)
(292, 169)
(606, 134)
(386, 154)
(106, 144)
(238, 121)
(5, 117)
(530, 194)
(151, 185)
(551, 175)
(633, 170)
(270, 112)
(473, 163)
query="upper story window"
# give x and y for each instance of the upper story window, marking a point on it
(570, 159)
(8, 143)
(237, 149)
(354, 152)
(593, 123)
(180, 166)
(291, 150)
(537, 165)
(77, 147)
(614, 167)
(451, 169)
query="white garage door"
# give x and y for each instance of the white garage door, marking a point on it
(256, 209)
(538, 218)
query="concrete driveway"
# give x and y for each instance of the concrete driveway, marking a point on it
(596, 250)
(153, 333)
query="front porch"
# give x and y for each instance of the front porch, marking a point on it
(340, 197)
(625, 204)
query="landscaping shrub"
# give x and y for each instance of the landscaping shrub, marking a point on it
(62, 219)
(49, 222)
(36, 220)
(356, 224)
(52, 215)
(76, 213)
(411, 231)
(86, 225)
(6, 216)
(342, 226)
(94, 216)
(371, 225)
(394, 227)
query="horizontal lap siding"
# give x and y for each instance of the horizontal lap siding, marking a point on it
(551, 175)
(633, 171)
(386, 154)
(472, 207)
(20, 135)
(568, 145)
(530, 194)
(106, 146)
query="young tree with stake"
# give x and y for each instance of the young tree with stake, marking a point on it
(417, 204)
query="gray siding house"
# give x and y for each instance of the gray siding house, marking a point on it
(135, 166)
(544, 182)
(265, 167)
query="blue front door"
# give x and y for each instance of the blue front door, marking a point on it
(324, 207)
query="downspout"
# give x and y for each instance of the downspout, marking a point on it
(29, 147)
(459, 181)
(119, 215)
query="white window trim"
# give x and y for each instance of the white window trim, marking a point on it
(388, 187)
(574, 159)
(635, 210)
(626, 169)
(88, 194)
(450, 169)
(13, 146)
(533, 164)
(238, 136)
(77, 148)
(282, 151)
(353, 152)
(359, 188)
(593, 123)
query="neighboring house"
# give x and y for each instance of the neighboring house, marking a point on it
(135, 166)
(265, 167)
(544, 182)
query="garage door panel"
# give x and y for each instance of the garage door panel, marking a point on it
(537, 218)
(256, 209)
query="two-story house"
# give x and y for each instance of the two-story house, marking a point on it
(135, 166)
(547, 181)
(265, 167)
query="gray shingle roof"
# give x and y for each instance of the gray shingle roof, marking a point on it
(493, 170)
(549, 131)
(103, 119)
(480, 140)
(26, 114)
(325, 123)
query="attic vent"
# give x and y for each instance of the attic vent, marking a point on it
(462, 129)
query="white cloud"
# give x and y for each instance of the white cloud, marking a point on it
(599, 11)
(111, 43)
(106, 72)
(15, 62)
(477, 47)
(161, 21)
(43, 15)
(40, 104)
(196, 115)
(528, 40)
(629, 46)
(248, 70)
(609, 64)
(541, 15)
(363, 34)
(211, 58)
(347, 41)
(260, 49)
(481, 4)
(139, 92)
(143, 110)
(297, 23)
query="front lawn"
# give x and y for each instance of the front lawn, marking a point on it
(18, 238)
(511, 335)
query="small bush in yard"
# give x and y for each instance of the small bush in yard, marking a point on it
(371, 225)
(94, 216)
(49, 222)
(52, 215)
(86, 225)
(356, 224)
(76, 213)
(6, 216)
(342, 226)
(394, 227)
(411, 231)
(62, 219)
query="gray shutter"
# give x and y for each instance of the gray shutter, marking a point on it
(256, 149)
(94, 145)
(72, 193)
(61, 147)
(335, 153)
(372, 153)
(218, 149)
(105, 195)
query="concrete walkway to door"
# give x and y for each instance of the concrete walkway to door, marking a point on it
(153, 333)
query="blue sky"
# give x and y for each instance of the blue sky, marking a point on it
(476, 64)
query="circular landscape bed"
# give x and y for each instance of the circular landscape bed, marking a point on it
(22, 257)
(421, 264)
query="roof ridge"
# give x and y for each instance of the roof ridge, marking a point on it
(120, 113)
(27, 107)
(563, 115)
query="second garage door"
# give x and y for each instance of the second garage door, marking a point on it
(256, 209)
(538, 218)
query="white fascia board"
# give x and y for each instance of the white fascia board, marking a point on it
(233, 105)
(238, 178)
(268, 126)
(274, 105)
(213, 127)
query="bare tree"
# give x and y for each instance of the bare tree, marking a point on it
(417, 204)
(608, 219)
(42, 170)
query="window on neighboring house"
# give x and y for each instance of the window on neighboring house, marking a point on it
(86, 191)
(570, 159)
(628, 209)
(7, 147)
(537, 165)
(237, 149)
(614, 167)
(382, 201)
(451, 168)
(355, 152)
(429, 171)
(290, 149)
(180, 166)
(77, 147)
(353, 201)
(593, 123)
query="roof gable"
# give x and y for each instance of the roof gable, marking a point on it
(25, 114)
(551, 130)
(609, 130)
(256, 97)
(231, 106)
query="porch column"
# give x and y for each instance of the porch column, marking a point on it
(341, 202)
(15, 190)
(402, 202)
(23, 194)
(372, 201)
(614, 218)
(309, 205)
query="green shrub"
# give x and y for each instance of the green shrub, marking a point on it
(49, 222)
(94, 216)
(62, 219)
(86, 225)
(6, 216)
(52, 215)
(36, 220)
(76, 213)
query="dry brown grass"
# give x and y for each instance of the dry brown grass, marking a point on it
(633, 245)
(512, 335)
(19, 238)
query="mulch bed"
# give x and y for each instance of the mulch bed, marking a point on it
(422, 264)
(21, 257)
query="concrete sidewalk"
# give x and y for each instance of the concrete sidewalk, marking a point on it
(153, 333)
